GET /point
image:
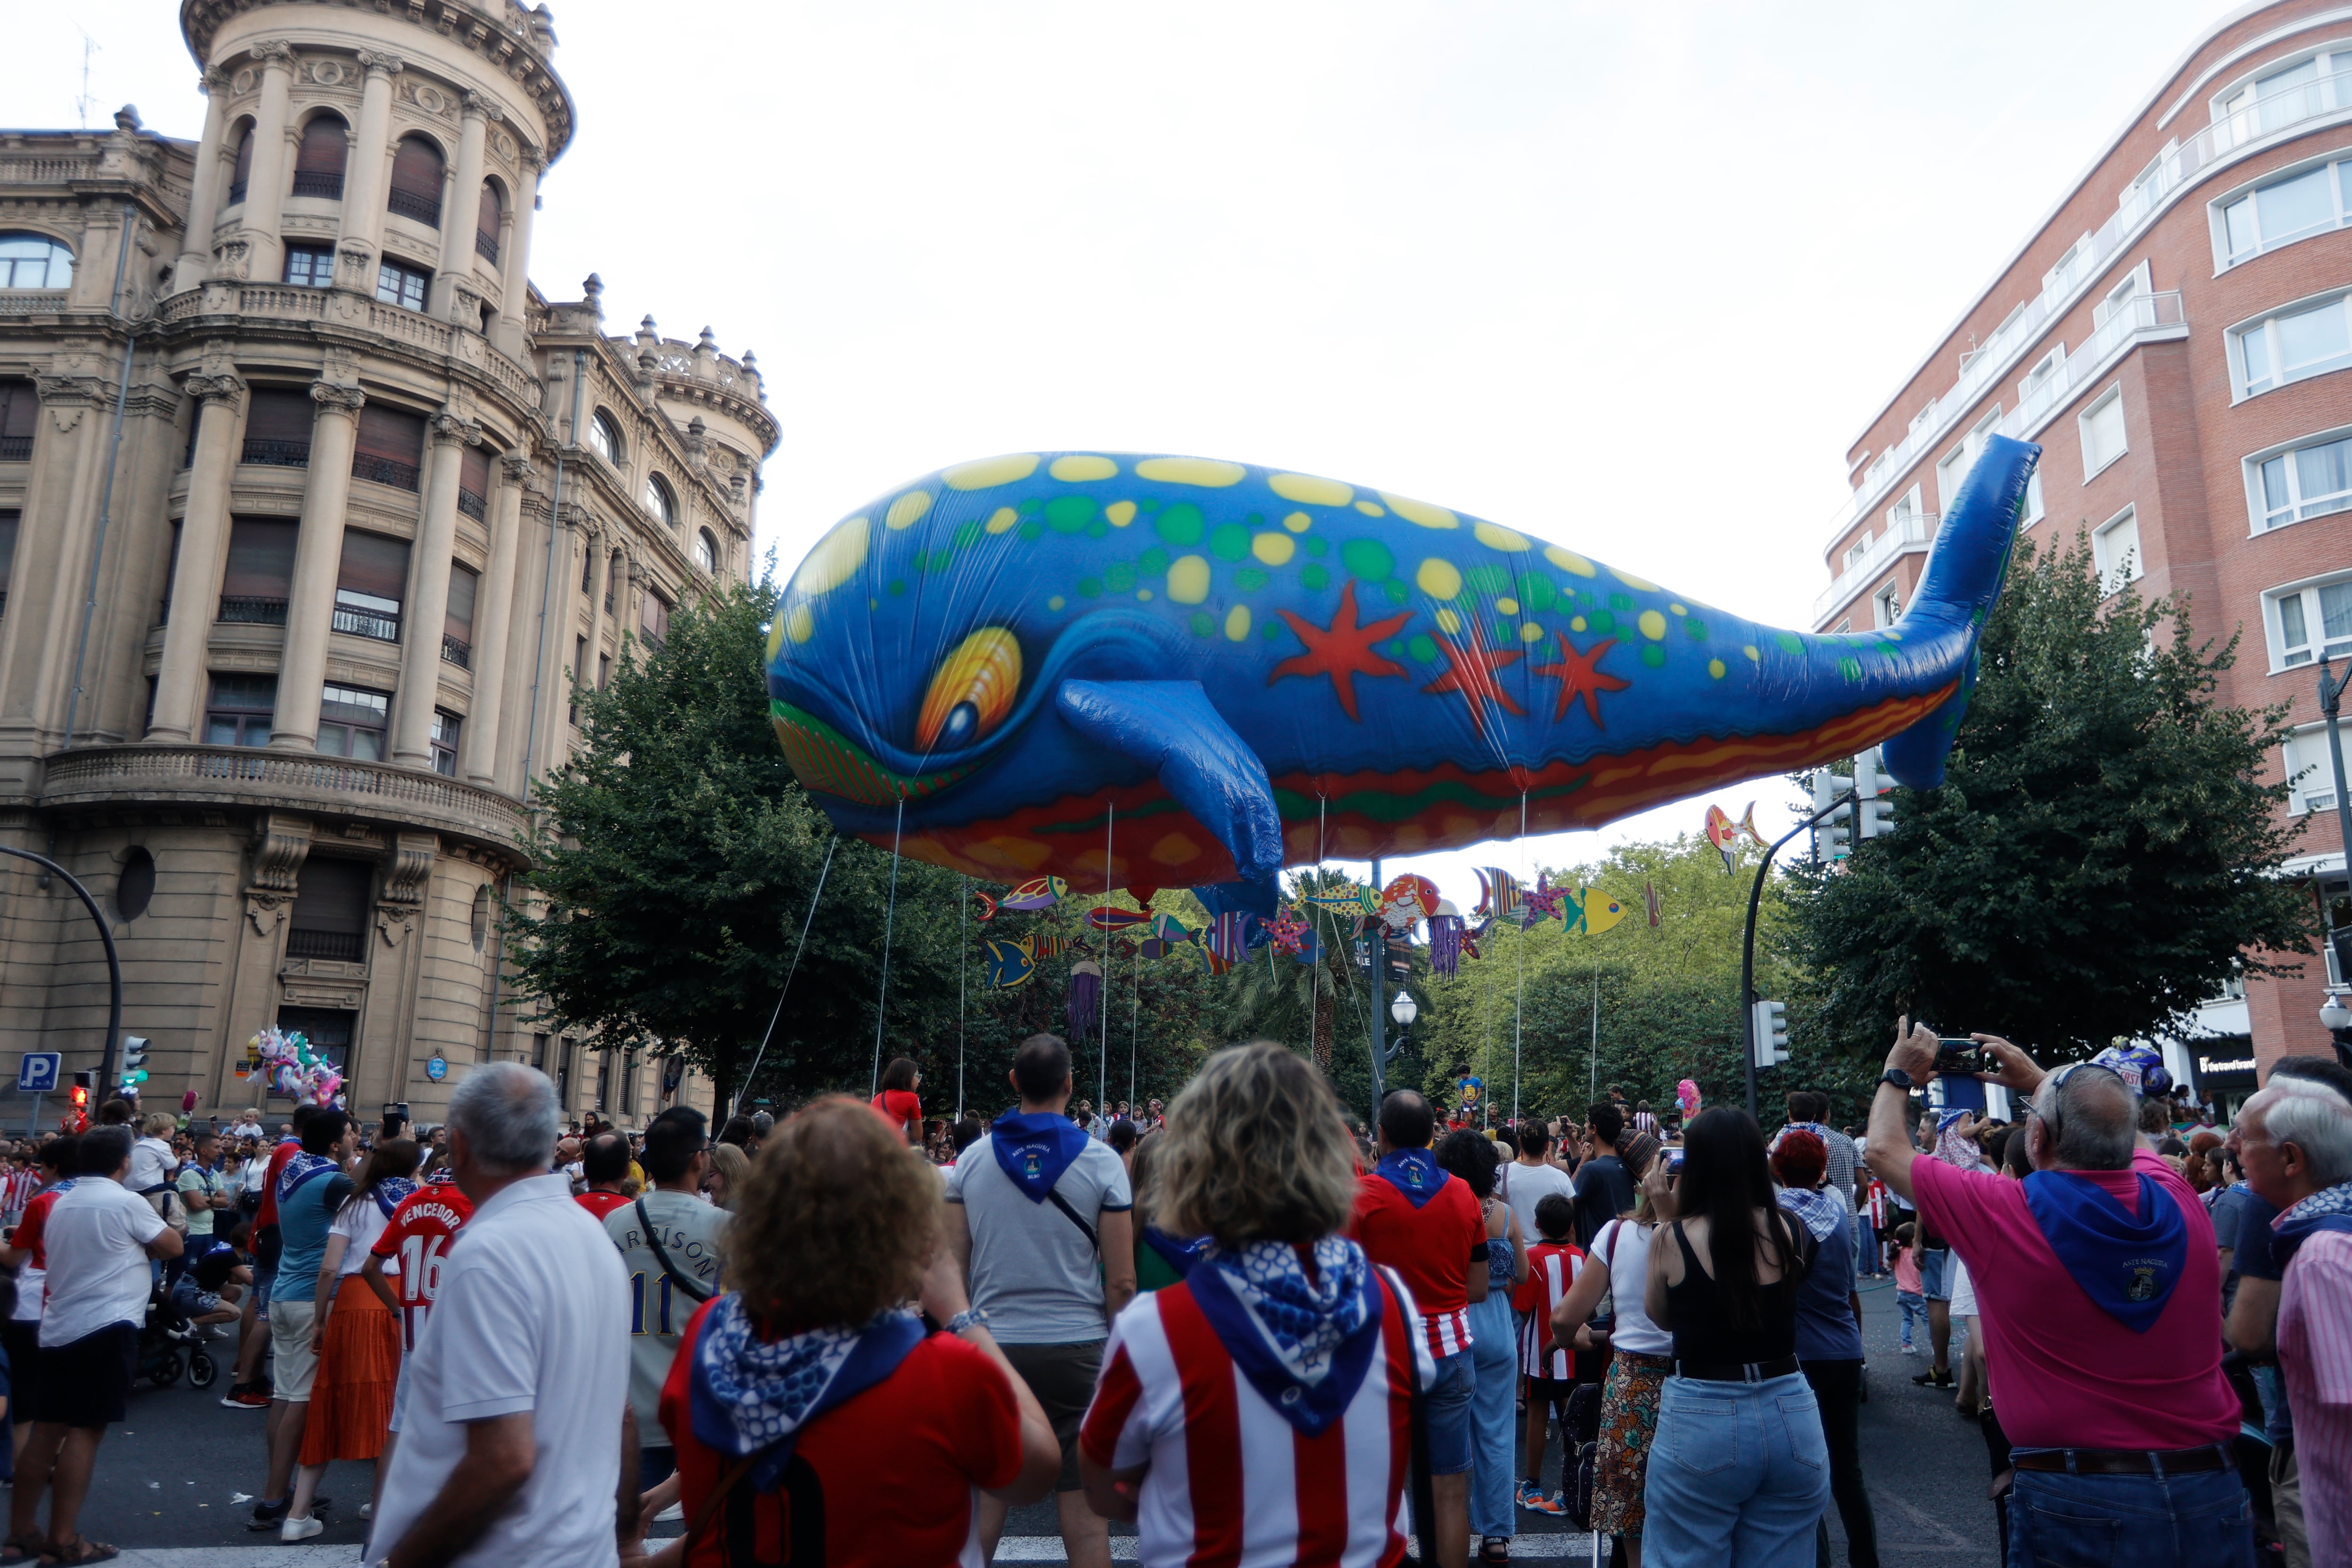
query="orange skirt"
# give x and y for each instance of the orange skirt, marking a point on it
(359, 1365)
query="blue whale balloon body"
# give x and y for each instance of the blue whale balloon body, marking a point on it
(1140, 671)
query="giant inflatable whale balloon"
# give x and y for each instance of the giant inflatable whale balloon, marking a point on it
(1130, 670)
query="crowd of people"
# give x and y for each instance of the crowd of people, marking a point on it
(1253, 1330)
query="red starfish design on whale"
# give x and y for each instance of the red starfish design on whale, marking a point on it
(1341, 651)
(1471, 672)
(1578, 676)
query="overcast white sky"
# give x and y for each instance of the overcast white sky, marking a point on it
(1630, 277)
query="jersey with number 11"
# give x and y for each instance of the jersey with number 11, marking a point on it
(416, 1240)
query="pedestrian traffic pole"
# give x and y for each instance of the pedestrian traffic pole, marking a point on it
(106, 1084)
(1747, 941)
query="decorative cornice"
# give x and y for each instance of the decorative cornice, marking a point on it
(518, 467)
(213, 388)
(69, 391)
(471, 102)
(214, 80)
(280, 844)
(270, 52)
(450, 430)
(334, 397)
(379, 63)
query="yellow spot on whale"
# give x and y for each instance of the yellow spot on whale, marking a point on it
(1715, 667)
(1531, 633)
(1308, 490)
(1144, 595)
(1421, 512)
(1507, 606)
(1056, 603)
(1077, 469)
(775, 639)
(1749, 650)
(1188, 579)
(1371, 509)
(1678, 609)
(1174, 849)
(1274, 548)
(1209, 473)
(1299, 522)
(836, 559)
(990, 472)
(1439, 579)
(1569, 561)
(1654, 624)
(1120, 513)
(800, 625)
(1493, 536)
(1637, 583)
(1002, 519)
(1448, 622)
(1577, 625)
(906, 510)
(1237, 622)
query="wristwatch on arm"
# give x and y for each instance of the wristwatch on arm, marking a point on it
(1899, 1077)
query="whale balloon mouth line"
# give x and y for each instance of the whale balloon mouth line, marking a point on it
(825, 759)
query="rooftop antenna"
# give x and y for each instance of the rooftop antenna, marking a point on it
(89, 46)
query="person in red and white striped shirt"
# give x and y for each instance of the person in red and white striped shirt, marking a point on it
(1553, 1264)
(1259, 1411)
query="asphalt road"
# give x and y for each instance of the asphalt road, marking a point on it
(172, 1475)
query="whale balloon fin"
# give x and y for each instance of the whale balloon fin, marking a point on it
(1211, 771)
(1956, 594)
(1256, 896)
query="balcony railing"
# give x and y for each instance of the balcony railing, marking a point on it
(1910, 531)
(329, 186)
(426, 210)
(485, 246)
(2175, 167)
(291, 303)
(245, 611)
(2141, 314)
(16, 448)
(336, 946)
(274, 453)
(373, 624)
(472, 505)
(456, 651)
(383, 471)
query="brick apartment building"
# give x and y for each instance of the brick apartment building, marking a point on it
(2175, 334)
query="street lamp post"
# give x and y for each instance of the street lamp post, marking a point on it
(2337, 1019)
(2331, 702)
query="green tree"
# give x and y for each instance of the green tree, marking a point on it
(2102, 857)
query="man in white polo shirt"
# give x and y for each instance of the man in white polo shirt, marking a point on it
(511, 1445)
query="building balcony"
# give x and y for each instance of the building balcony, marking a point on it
(383, 471)
(335, 946)
(485, 246)
(2153, 317)
(275, 454)
(32, 301)
(426, 210)
(471, 504)
(1909, 534)
(223, 297)
(252, 612)
(377, 625)
(16, 448)
(327, 187)
(456, 651)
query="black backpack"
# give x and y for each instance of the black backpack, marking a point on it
(1581, 1439)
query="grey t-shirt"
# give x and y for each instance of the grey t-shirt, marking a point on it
(1524, 1186)
(1034, 1271)
(689, 1230)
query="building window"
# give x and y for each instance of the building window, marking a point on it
(134, 886)
(2114, 550)
(614, 570)
(563, 1076)
(330, 916)
(2294, 345)
(2310, 620)
(20, 420)
(629, 1084)
(605, 437)
(487, 216)
(1953, 470)
(328, 1032)
(474, 482)
(587, 573)
(241, 171)
(654, 617)
(278, 428)
(1887, 606)
(705, 552)
(2279, 98)
(34, 261)
(397, 283)
(659, 500)
(352, 721)
(239, 711)
(2308, 202)
(538, 1052)
(7, 556)
(457, 620)
(481, 917)
(310, 266)
(388, 448)
(2310, 482)
(2102, 428)
(604, 670)
(2032, 500)
(604, 1081)
(371, 581)
(446, 727)
(2310, 772)
(578, 674)
(2045, 367)
(417, 173)
(258, 576)
(318, 160)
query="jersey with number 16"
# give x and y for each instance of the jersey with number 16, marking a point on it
(416, 1239)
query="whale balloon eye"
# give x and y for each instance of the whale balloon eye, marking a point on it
(973, 691)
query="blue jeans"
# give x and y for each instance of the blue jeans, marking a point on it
(1493, 1411)
(1447, 1405)
(1866, 1245)
(1915, 1311)
(1738, 1475)
(2200, 1519)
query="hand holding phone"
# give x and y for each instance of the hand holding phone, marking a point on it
(1963, 1057)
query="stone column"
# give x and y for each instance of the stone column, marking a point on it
(204, 203)
(318, 560)
(368, 172)
(514, 259)
(273, 147)
(459, 207)
(203, 552)
(495, 607)
(428, 596)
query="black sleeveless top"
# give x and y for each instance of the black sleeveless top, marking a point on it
(1701, 1319)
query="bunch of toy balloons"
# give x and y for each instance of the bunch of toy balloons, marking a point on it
(292, 1068)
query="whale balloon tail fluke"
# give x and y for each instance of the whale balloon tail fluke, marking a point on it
(1955, 597)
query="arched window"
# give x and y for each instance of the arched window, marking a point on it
(243, 168)
(659, 500)
(605, 437)
(319, 160)
(34, 261)
(486, 223)
(136, 884)
(415, 191)
(705, 552)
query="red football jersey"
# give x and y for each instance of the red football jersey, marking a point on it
(1429, 1247)
(266, 1214)
(602, 1204)
(27, 1234)
(418, 1237)
(1552, 1268)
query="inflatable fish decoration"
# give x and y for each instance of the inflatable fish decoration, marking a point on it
(1040, 893)
(1723, 833)
(1589, 911)
(1116, 669)
(1008, 963)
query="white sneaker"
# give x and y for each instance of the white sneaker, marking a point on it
(300, 1529)
(1910, 1350)
(367, 1510)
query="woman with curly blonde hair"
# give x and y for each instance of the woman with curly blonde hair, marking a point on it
(1303, 1453)
(813, 1417)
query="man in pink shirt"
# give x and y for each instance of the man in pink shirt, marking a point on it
(2295, 1140)
(2097, 1285)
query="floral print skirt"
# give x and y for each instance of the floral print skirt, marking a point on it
(1629, 1420)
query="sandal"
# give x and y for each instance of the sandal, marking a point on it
(1494, 1549)
(22, 1549)
(83, 1550)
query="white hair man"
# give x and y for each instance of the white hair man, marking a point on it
(2295, 1140)
(517, 1448)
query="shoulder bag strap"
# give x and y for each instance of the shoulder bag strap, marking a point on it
(661, 1255)
(1060, 1202)
(728, 1481)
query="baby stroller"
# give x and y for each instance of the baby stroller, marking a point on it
(170, 1349)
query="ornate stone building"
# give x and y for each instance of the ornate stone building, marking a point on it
(311, 508)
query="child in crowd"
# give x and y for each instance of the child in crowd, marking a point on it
(1550, 1373)
(1907, 1288)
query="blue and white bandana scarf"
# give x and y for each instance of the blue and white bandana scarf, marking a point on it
(2127, 1263)
(300, 1170)
(2330, 1208)
(1816, 1210)
(390, 1192)
(1414, 1173)
(747, 1395)
(1305, 1345)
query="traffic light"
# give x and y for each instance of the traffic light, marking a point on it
(134, 1060)
(1833, 840)
(1874, 811)
(1769, 1021)
(79, 1093)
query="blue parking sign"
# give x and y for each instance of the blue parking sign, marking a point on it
(36, 1073)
